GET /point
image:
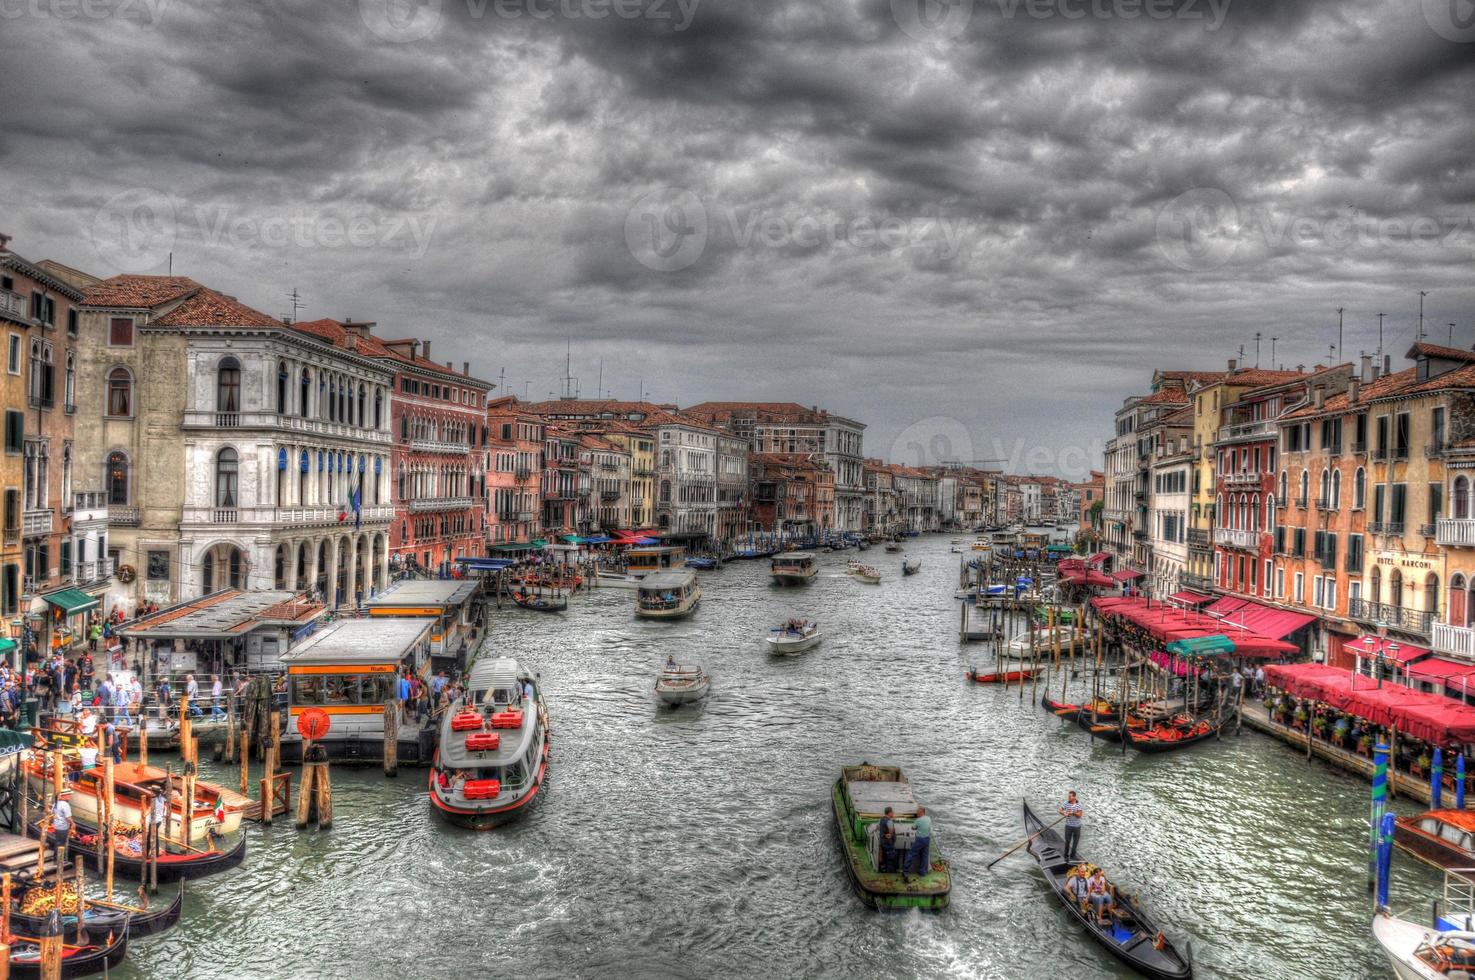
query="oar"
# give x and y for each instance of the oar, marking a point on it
(1020, 844)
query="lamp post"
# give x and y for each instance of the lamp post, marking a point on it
(1384, 648)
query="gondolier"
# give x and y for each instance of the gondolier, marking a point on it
(1071, 811)
(61, 824)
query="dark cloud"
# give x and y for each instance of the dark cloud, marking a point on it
(996, 212)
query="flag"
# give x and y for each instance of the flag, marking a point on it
(219, 813)
(357, 501)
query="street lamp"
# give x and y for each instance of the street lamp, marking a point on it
(1380, 662)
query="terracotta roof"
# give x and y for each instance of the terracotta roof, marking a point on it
(139, 292)
(1385, 386)
(1184, 416)
(336, 333)
(591, 409)
(1458, 378)
(1166, 396)
(760, 411)
(1422, 349)
(207, 308)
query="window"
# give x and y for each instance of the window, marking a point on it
(1305, 488)
(227, 475)
(1336, 489)
(228, 386)
(120, 331)
(117, 479)
(305, 392)
(70, 392)
(12, 509)
(1265, 582)
(120, 393)
(66, 557)
(12, 362)
(1359, 489)
(1436, 501)
(158, 566)
(1400, 496)
(1280, 583)
(1354, 553)
(284, 384)
(1300, 594)
(1400, 435)
(72, 321)
(15, 430)
(1379, 493)
(1437, 428)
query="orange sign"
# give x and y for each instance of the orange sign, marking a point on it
(313, 724)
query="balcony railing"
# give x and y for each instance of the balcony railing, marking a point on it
(609, 496)
(122, 516)
(15, 306)
(424, 504)
(89, 500)
(1199, 583)
(1301, 502)
(1247, 430)
(1247, 478)
(224, 515)
(227, 420)
(12, 535)
(1458, 640)
(1359, 448)
(1427, 530)
(1380, 453)
(322, 514)
(439, 446)
(1397, 617)
(1436, 450)
(1457, 532)
(1234, 537)
(37, 522)
(40, 401)
(197, 419)
(1323, 504)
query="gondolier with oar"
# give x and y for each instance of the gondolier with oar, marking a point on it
(1071, 811)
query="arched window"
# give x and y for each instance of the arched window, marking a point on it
(1282, 494)
(1459, 601)
(378, 408)
(1336, 490)
(665, 491)
(1375, 586)
(71, 383)
(1395, 589)
(305, 390)
(227, 478)
(362, 404)
(1270, 514)
(1219, 512)
(207, 573)
(228, 386)
(1431, 594)
(1255, 512)
(1324, 492)
(120, 393)
(333, 400)
(117, 479)
(284, 384)
(1359, 489)
(1305, 494)
(1460, 499)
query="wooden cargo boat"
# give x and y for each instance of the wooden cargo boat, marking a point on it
(132, 782)
(859, 798)
(493, 755)
(1442, 838)
(1130, 936)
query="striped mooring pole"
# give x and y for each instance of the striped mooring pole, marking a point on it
(1380, 806)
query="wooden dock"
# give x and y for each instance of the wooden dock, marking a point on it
(1400, 783)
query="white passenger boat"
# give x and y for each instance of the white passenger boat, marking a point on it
(607, 579)
(668, 595)
(1018, 648)
(794, 637)
(1443, 951)
(682, 683)
(868, 574)
(793, 568)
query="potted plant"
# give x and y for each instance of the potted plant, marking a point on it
(1300, 717)
(1365, 744)
(1318, 726)
(1341, 731)
(1421, 766)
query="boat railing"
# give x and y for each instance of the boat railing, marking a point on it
(1458, 900)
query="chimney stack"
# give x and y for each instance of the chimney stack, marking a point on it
(466, 368)
(1233, 363)
(1367, 368)
(425, 349)
(1317, 394)
(1387, 364)
(1354, 388)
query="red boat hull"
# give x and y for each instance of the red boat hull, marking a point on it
(1004, 677)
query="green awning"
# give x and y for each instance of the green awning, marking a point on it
(573, 539)
(1059, 549)
(7, 645)
(71, 601)
(511, 547)
(1202, 646)
(538, 543)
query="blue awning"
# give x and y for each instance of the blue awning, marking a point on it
(647, 540)
(485, 564)
(598, 539)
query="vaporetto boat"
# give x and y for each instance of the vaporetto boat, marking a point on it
(493, 753)
(793, 568)
(668, 595)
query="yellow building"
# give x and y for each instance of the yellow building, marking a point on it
(641, 446)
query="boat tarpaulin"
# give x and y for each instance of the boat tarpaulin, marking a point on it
(1126, 574)
(1432, 717)
(485, 564)
(1190, 598)
(1392, 650)
(598, 539)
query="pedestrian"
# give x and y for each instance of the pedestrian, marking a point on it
(887, 835)
(192, 695)
(1260, 681)
(1239, 686)
(61, 825)
(919, 854)
(1071, 811)
(217, 708)
(404, 697)
(94, 633)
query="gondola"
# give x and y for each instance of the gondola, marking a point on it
(173, 865)
(999, 677)
(1153, 740)
(1132, 937)
(102, 918)
(540, 603)
(1061, 709)
(76, 960)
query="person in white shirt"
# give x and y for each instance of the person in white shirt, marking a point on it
(89, 723)
(61, 823)
(217, 707)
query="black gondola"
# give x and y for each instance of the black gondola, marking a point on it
(174, 865)
(100, 919)
(539, 603)
(1145, 742)
(1132, 937)
(1061, 709)
(76, 961)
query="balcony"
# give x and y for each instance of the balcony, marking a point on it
(227, 420)
(224, 515)
(120, 516)
(439, 446)
(1455, 532)
(521, 473)
(428, 504)
(1400, 452)
(1247, 430)
(1359, 448)
(1140, 535)
(12, 535)
(36, 522)
(1436, 450)
(1301, 502)
(89, 500)
(1245, 479)
(1324, 505)
(40, 401)
(609, 496)
(1397, 617)
(15, 306)
(1198, 536)
(1458, 640)
(198, 419)
(525, 516)
(1198, 583)
(322, 514)
(1427, 530)
(1234, 537)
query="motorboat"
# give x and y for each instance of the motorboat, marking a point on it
(682, 683)
(1018, 648)
(910, 566)
(1444, 838)
(609, 579)
(793, 637)
(668, 595)
(493, 754)
(1443, 951)
(793, 568)
(893, 546)
(868, 574)
(860, 798)
(702, 563)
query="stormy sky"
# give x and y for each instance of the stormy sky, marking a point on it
(975, 226)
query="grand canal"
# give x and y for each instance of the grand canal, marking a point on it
(699, 842)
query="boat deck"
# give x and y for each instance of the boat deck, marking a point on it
(871, 799)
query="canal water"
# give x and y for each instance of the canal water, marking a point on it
(699, 842)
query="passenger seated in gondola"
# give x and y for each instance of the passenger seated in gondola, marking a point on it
(1077, 884)
(1102, 902)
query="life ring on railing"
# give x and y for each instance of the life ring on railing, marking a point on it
(126, 574)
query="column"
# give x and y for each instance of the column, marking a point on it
(384, 562)
(332, 573)
(291, 571)
(351, 583)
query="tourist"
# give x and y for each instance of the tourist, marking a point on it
(164, 696)
(61, 824)
(192, 695)
(86, 669)
(87, 751)
(1260, 681)
(887, 834)
(93, 635)
(1101, 901)
(403, 697)
(919, 852)
(1238, 680)
(1078, 883)
(104, 696)
(1071, 811)
(88, 726)
(217, 709)
(74, 704)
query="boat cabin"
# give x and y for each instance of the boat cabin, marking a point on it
(654, 558)
(667, 594)
(792, 561)
(351, 670)
(448, 602)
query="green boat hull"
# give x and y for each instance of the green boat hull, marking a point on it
(885, 891)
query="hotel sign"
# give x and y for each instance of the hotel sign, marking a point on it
(1405, 560)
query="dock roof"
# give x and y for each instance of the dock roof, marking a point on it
(361, 641)
(425, 592)
(225, 614)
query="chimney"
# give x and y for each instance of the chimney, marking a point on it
(466, 368)
(1354, 388)
(1367, 368)
(451, 366)
(1317, 394)
(4, 242)
(351, 340)
(1387, 364)
(425, 349)
(1233, 364)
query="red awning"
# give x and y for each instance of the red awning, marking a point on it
(1432, 717)
(1100, 558)
(1126, 574)
(1401, 652)
(1259, 618)
(1437, 668)
(1191, 598)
